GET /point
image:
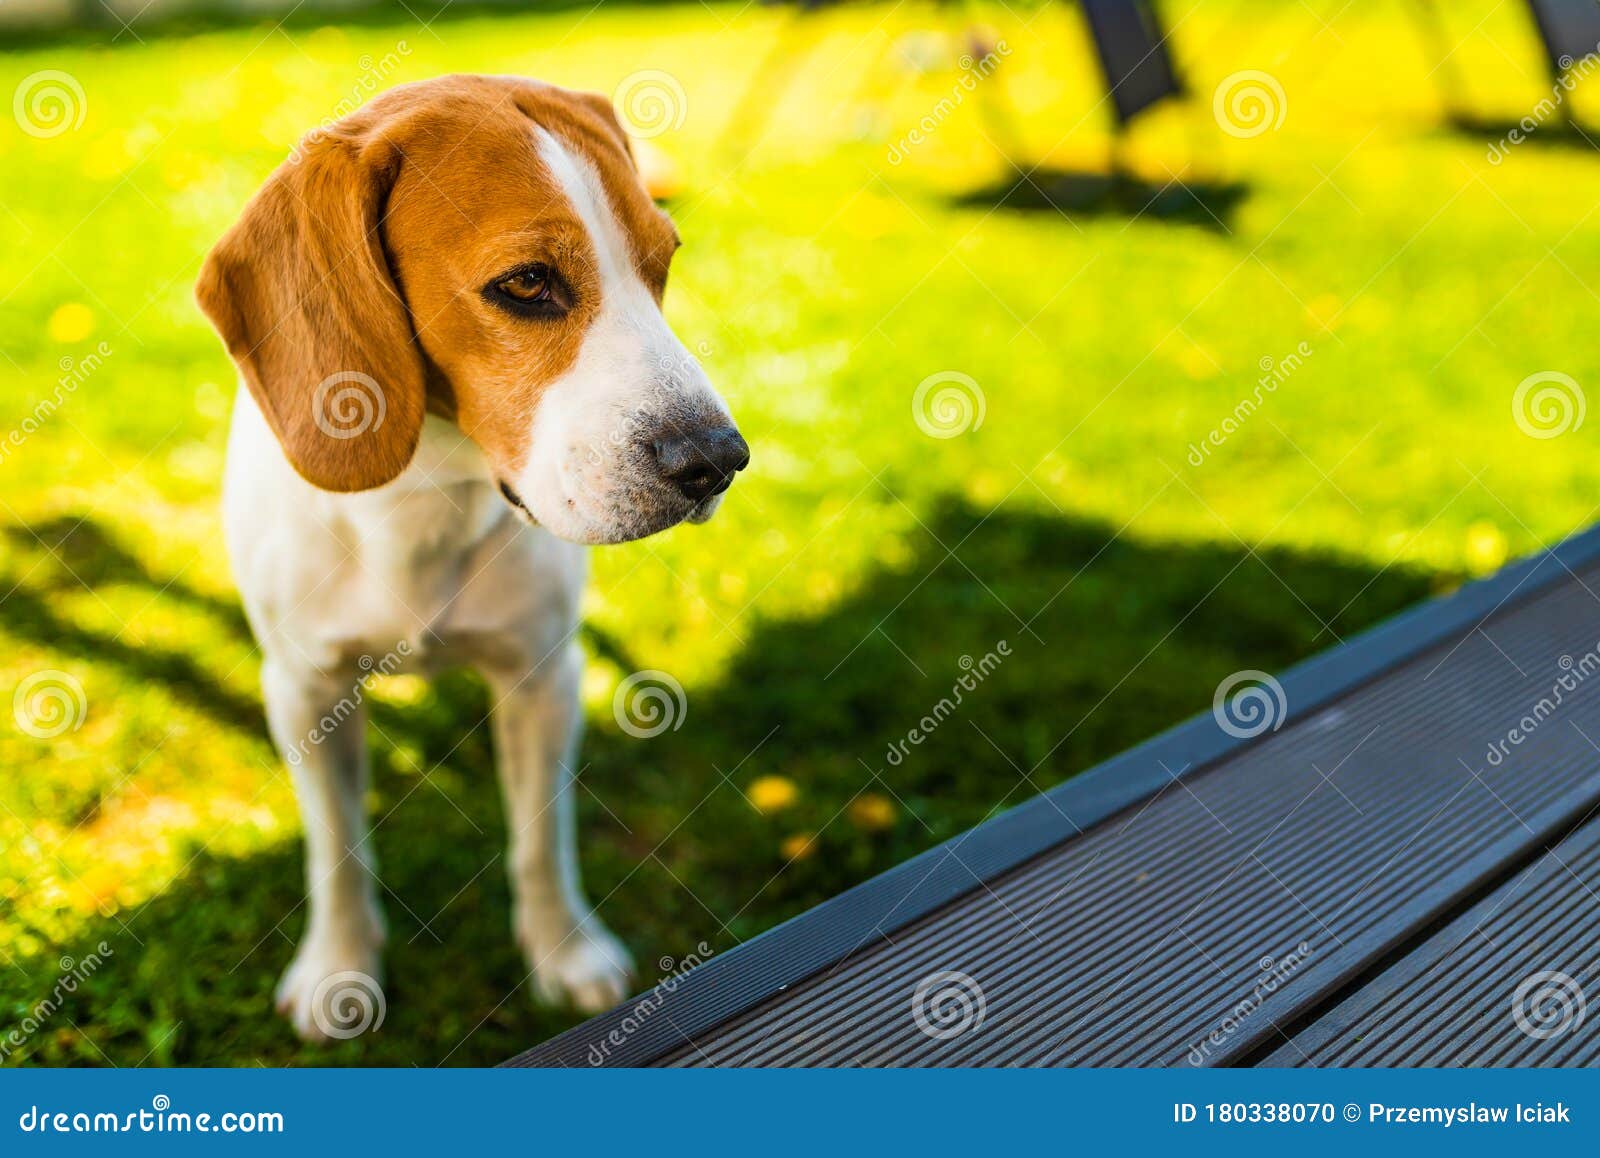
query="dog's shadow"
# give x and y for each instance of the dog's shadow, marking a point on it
(1110, 639)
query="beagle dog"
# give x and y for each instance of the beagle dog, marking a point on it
(446, 311)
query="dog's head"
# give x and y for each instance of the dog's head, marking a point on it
(481, 247)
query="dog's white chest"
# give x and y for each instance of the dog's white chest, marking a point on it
(433, 567)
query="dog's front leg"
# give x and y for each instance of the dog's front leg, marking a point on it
(537, 721)
(332, 987)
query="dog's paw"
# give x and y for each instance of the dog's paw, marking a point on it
(332, 993)
(587, 968)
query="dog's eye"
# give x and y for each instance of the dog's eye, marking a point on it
(529, 285)
(534, 291)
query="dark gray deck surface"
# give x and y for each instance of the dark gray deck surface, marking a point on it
(1251, 910)
(1340, 834)
(1506, 984)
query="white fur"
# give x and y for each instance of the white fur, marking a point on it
(432, 569)
(586, 477)
(436, 568)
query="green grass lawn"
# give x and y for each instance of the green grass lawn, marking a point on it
(829, 605)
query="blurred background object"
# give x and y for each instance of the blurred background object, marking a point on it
(1150, 401)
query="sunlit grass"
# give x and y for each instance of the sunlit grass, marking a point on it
(814, 620)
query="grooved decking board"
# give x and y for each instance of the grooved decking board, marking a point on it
(1136, 943)
(1153, 909)
(1532, 945)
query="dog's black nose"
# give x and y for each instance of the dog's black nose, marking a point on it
(703, 463)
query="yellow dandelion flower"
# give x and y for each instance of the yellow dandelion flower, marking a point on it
(872, 812)
(1486, 547)
(799, 846)
(72, 322)
(769, 794)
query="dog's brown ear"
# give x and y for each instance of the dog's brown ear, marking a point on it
(602, 107)
(301, 292)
